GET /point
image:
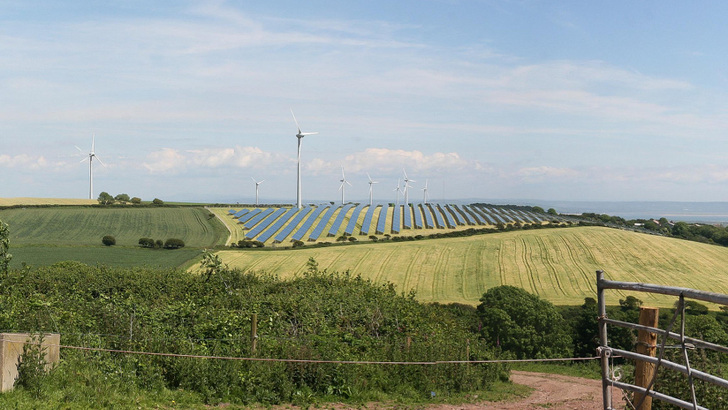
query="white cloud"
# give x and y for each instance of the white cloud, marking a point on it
(23, 161)
(384, 160)
(169, 160)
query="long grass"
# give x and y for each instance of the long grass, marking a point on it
(556, 264)
(121, 257)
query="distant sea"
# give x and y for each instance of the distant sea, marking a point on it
(706, 212)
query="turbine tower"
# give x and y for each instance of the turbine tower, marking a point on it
(398, 189)
(300, 136)
(256, 188)
(342, 188)
(371, 183)
(425, 192)
(91, 156)
(406, 187)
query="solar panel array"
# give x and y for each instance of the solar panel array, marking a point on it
(293, 224)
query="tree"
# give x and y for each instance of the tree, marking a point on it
(538, 209)
(146, 242)
(122, 198)
(552, 211)
(5, 255)
(158, 244)
(108, 240)
(174, 243)
(136, 200)
(105, 198)
(523, 324)
(157, 201)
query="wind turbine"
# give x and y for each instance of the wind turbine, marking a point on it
(371, 183)
(406, 187)
(425, 192)
(300, 136)
(342, 188)
(398, 189)
(256, 188)
(91, 156)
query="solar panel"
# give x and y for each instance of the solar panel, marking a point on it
(300, 214)
(477, 216)
(339, 219)
(367, 223)
(277, 225)
(309, 221)
(396, 213)
(407, 217)
(468, 217)
(319, 229)
(232, 211)
(264, 224)
(505, 216)
(496, 216)
(249, 215)
(449, 220)
(484, 214)
(439, 219)
(382, 221)
(257, 218)
(240, 213)
(353, 220)
(458, 217)
(429, 224)
(417, 216)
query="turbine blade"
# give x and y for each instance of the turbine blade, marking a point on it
(99, 159)
(306, 133)
(296, 121)
(261, 182)
(79, 149)
(348, 183)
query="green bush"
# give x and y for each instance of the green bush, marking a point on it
(174, 243)
(146, 242)
(108, 240)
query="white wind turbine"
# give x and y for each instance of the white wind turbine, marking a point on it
(371, 184)
(256, 188)
(398, 189)
(300, 136)
(425, 192)
(344, 182)
(406, 187)
(91, 156)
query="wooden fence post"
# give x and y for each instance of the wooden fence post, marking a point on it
(646, 345)
(253, 332)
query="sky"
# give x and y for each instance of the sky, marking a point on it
(480, 99)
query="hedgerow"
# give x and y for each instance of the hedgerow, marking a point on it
(319, 315)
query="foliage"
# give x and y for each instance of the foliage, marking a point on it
(157, 201)
(32, 366)
(5, 255)
(523, 324)
(105, 198)
(108, 240)
(174, 243)
(319, 315)
(122, 198)
(136, 200)
(146, 242)
(297, 243)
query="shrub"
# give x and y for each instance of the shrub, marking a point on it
(158, 244)
(136, 200)
(174, 243)
(297, 243)
(157, 201)
(108, 240)
(146, 242)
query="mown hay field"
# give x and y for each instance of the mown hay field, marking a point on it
(45, 201)
(556, 264)
(85, 226)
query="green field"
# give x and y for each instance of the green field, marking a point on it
(556, 264)
(42, 236)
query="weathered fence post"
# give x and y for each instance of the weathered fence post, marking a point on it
(646, 345)
(602, 305)
(253, 332)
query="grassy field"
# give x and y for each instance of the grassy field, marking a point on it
(82, 226)
(42, 236)
(556, 264)
(102, 255)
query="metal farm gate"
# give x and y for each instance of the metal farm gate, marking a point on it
(644, 392)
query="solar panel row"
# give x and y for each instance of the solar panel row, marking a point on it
(353, 220)
(367, 223)
(265, 224)
(406, 217)
(416, 215)
(468, 217)
(396, 213)
(300, 214)
(382, 221)
(448, 216)
(339, 219)
(309, 222)
(249, 215)
(319, 229)
(257, 218)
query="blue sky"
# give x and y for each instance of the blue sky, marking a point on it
(484, 99)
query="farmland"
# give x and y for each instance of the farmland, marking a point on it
(556, 264)
(41, 236)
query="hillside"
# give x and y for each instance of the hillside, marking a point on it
(556, 264)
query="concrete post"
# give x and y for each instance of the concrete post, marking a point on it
(11, 350)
